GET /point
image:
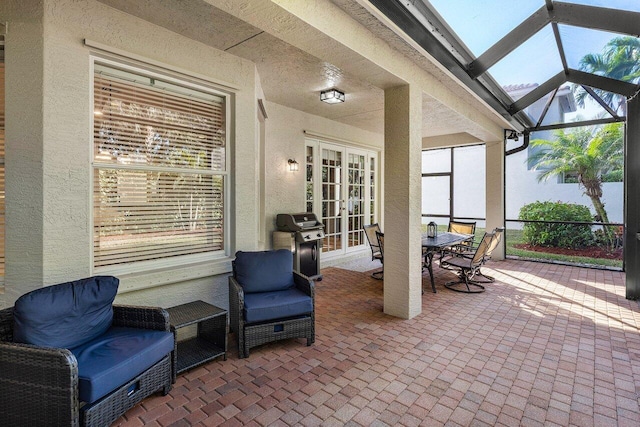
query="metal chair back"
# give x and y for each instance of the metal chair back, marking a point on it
(497, 235)
(380, 238)
(461, 227)
(483, 250)
(370, 231)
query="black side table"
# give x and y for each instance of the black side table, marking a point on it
(211, 340)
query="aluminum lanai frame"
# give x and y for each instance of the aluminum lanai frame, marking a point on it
(420, 21)
(424, 25)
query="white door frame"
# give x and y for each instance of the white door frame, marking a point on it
(337, 242)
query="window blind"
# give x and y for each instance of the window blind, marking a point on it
(159, 169)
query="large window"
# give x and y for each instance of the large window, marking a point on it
(159, 170)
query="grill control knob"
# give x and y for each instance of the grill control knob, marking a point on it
(319, 235)
(307, 237)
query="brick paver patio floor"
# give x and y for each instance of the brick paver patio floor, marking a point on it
(544, 345)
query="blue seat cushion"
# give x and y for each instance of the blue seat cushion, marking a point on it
(65, 315)
(264, 271)
(116, 357)
(264, 306)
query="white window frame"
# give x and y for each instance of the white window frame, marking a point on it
(175, 261)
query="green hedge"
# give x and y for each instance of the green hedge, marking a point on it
(558, 235)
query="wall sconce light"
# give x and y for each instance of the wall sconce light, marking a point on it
(293, 165)
(332, 96)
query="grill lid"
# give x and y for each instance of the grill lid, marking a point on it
(298, 222)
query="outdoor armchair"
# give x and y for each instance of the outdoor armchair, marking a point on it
(268, 301)
(69, 357)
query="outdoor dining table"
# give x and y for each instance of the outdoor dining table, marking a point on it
(431, 245)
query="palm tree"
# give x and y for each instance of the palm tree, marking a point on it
(591, 155)
(620, 60)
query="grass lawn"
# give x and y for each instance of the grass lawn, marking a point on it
(514, 237)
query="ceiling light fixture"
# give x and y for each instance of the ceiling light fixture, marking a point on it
(332, 96)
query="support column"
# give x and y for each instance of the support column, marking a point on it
(495, 191)
(402, 200)
(632, 200)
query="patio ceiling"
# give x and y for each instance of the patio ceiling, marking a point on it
(551, 36)
(293, 75)
(534, 43)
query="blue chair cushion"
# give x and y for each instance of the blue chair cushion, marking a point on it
(260, 307)
(65, 315)
(264, 271)
(116, 357)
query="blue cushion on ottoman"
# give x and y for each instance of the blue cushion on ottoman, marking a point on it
(264, 271)
(65, 315)
(260, 307)
(110, 360)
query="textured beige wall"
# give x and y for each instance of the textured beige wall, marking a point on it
(24, 133)
(49, 191)
(286, 139)
(48, 144)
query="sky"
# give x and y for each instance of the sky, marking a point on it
(481, 23)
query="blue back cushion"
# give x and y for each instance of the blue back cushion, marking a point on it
(264, 271)
(65, 315)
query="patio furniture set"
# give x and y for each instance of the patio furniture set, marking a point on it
(456, 249)
(69, 356)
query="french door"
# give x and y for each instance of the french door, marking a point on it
(341, 190)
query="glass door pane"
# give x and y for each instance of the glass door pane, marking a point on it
(332, 196)
(373, 188)
(356, 173)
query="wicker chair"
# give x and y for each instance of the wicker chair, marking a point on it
(371, 232)
(268, 301)
(468, 267)
(39, 386)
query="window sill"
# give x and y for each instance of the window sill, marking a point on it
(165, 276)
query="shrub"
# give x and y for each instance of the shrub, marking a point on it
(558, 235)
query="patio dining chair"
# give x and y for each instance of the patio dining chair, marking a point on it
(468, 267)
(497, 236)
(371, 232)
(461, 227)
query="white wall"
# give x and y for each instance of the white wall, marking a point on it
(522, 187)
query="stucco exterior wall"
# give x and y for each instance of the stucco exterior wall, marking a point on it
(48, 144)
(522, 187)
(285, 138)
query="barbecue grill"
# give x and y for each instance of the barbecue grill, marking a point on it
(301, 233)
